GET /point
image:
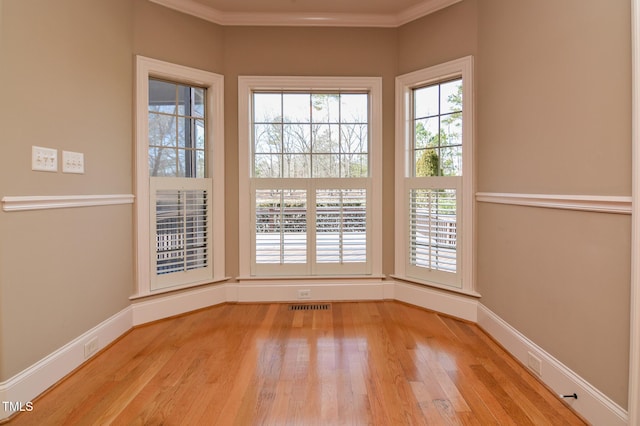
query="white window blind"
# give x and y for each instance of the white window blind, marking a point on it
(281, 226)
(181, 221)
(433, 229)
(341, 225)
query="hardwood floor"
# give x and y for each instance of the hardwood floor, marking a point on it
(380, 363)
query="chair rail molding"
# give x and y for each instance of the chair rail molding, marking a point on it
(589, 203)
(44, 202)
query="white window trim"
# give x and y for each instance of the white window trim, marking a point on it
(462, 67)
(214, 83)
(246, 86)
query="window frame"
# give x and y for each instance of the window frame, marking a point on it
(247, 85)
(214, 121)
(404, 179)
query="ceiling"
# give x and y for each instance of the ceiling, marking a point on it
(346, 13)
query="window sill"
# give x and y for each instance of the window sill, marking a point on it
(437, 286)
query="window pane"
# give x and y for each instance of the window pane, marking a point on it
(325, 108)
(296, 166)
(184, 134)
(451, 125)
(426, 102)
(297, 138)
(162, 96)
(354, 165)
(268, 138)
(426, 133)
(427, 163)
(354, 108)
(181, 164)
(162, 161)
(355, 138)
(267, 107)
(451, 161)
(200, 164)
(451, 96)
(176, 128)
(326, 138)
(184, 100)
(267, 166)
(199, 134)
(296, 107)
(162, 130)
(198, 100)
(438, 125)
(326, 165)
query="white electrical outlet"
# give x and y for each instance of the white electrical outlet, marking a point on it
(304, 294)
(72, 162)
(91, 347)
(534, 363)
(44, 159)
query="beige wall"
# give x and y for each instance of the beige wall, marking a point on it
(66, 83)
(167, 35)
(448, 34)
(307, 51)
(553, 116)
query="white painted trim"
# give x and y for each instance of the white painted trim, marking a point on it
(287, 291)
(443, 301)
(214, 83)
(422, 9)
(634, 339)
(43, 202)
(462, 67)
(31, 382)
(246, 85)
(172, 304)
(589, 203)
(591, 404)
(321, 19)
(410, 280)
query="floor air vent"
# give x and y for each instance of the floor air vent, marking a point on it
(305, 307)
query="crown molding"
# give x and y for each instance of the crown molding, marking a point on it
(192, 7)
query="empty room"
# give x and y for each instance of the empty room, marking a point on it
(338, 212)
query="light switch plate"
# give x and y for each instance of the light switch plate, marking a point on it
(44, 159)
(72, 162)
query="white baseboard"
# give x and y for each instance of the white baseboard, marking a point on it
(28, 384)
(318, 290)
(457, 305)
(591, 404)
(172, 304)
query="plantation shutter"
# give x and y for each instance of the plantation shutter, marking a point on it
(433, 229)
(341, 230)
(180, 222)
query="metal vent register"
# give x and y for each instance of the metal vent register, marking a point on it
(306, 307)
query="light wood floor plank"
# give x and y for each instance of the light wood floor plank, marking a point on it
(379, 363)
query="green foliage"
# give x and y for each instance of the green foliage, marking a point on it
(428, 164)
